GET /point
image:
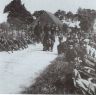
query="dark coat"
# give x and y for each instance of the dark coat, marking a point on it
(37, 30)
(71, 54)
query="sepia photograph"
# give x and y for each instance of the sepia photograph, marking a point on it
(48, 47)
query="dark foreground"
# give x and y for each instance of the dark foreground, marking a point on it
(55, 79)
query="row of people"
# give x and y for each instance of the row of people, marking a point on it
(73, 48)
(46, 35)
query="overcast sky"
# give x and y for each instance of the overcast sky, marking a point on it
(50, 5)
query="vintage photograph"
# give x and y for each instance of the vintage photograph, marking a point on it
(48, 47)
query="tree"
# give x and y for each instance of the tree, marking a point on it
(38, 13)
(18, 16)
(60, 14)
(86, 18)
(69, 15)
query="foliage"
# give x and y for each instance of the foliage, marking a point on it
(18, 16)
(86, 17)
(60, 14)
(55, 79)
(38, 13)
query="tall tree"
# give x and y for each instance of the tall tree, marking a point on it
(86, 17)
(60, 14)
(69, 15)
(18, 16)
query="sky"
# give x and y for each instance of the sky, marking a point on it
(50, 5)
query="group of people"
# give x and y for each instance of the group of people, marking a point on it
(74, 48)
(46, 35)
(49, 37)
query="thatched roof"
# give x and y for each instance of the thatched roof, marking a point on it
(48, 18)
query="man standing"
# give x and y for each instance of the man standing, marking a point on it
(49, 38)
(46, 37)
(38, 32)
(71, 54)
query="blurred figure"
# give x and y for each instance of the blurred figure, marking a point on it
(46, 37)
(37, 32)
(71, 54)
(49, 38)
(60, 37)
